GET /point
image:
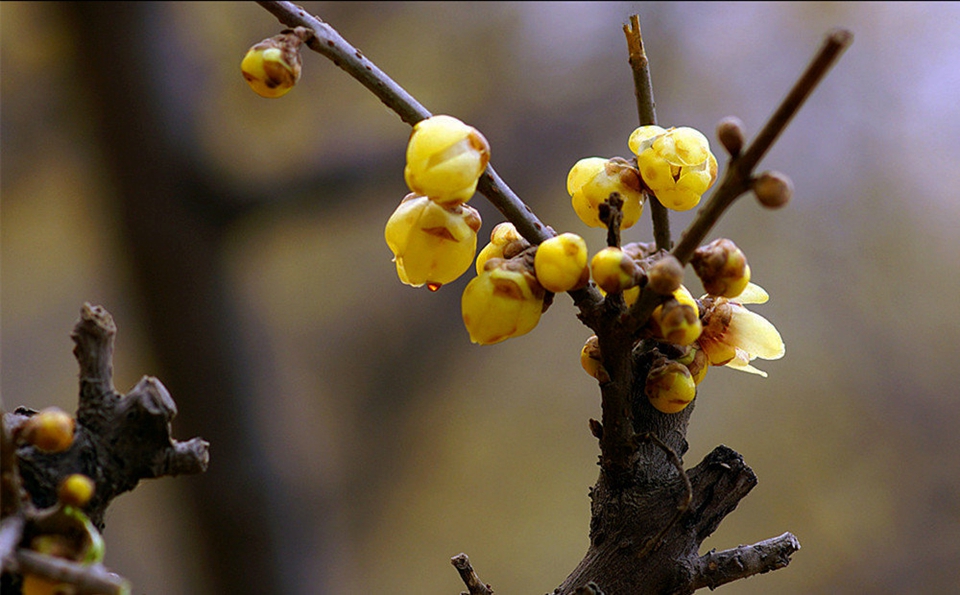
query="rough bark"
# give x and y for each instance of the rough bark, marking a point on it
(120, 439)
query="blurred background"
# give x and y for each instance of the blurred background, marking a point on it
(358, 440)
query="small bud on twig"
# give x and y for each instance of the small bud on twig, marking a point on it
(665, 276)
(730, 133)
(773, 189)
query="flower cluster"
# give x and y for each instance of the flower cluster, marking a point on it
(676, 166)
(433, 233)
(433, 236)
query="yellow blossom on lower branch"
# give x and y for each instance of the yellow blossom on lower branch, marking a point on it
(734, 336)
(503, 301)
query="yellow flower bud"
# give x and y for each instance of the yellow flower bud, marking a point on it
(722, 267)
(76, 490)
(676, 164)
(591, 361)
(50, 430)
(561, 263)
(505, 242)
(613, 270)
(501, 303)
(431, 243)
(695, 359)
(670, 387)
(677, 321)
(643, 137)
(445, 159)
(272, 67)
(592, 180)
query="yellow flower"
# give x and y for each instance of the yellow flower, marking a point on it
(505, 242)
(500, 303)
(431, 243)
(591, 181)
(561, 263)
(445, 159)
(734, 336)
(272, 67)
(676, 164)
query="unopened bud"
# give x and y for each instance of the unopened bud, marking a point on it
(272, 67)
(722, 268)
(773, 189)
(76, 490)
(591, 361)
(730, 133)
(665, 276)
(50, 430)
(670, 387)
(613, 270)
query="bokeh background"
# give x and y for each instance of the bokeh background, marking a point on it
(358, 439)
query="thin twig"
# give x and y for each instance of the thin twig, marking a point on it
(11, 532)
(610, 213)
(474, 585)
(719, 568)
(85, 579)
(647, 112)
(329, 43)
(684, 504)
(736, 180)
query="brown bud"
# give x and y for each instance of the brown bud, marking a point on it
(665, 276)
(730, 133)
(773, 189)
(722, 268)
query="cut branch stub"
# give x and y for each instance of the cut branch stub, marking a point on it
(119, 440)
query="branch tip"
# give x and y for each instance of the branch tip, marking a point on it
(474, 585)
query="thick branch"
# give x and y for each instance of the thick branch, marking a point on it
(719, 568)
(718, 485)
(119, 440)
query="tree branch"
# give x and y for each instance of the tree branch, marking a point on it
(329, 43)
(119, 440)
(647, 112)
(474, 585)
(719, 568)
(737, 179)
(86, 579)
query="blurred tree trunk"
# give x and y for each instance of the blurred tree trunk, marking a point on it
(173, 223)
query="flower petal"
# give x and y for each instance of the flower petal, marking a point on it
(754, 334)
(753, 294)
